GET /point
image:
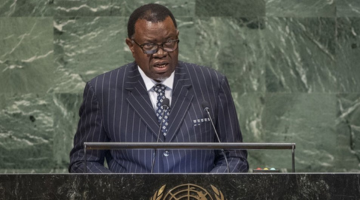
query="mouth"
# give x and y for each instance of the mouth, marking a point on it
(161, 67)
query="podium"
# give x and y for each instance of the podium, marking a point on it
(289, 186)
(227, 186)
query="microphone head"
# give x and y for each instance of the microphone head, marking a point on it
(205, 105)
(165, 103)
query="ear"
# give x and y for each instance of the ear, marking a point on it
(130, 45)
(177, 34)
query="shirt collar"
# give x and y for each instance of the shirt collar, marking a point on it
(150, 83)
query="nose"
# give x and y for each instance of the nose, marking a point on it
(160, 53)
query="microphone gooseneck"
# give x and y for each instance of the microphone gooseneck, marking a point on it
(205, 106)
(165, 105)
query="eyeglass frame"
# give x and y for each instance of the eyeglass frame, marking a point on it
(150, 52)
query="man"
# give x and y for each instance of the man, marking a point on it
(125, 105)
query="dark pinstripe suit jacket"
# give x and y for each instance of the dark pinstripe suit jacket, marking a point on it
(117, 108)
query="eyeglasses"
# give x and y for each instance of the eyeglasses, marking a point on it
(151, 48)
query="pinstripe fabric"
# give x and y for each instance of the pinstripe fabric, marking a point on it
(117, 108)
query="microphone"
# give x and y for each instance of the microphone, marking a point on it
(205, 106)
(165, 106)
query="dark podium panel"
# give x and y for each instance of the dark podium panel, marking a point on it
(337, 186)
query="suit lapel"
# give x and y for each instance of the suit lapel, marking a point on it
(181, 100)
(139, 100)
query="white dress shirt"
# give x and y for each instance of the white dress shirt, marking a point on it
(150, 83)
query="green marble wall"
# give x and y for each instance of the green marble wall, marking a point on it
(293, 66)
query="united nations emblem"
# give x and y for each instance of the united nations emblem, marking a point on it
(188, 192)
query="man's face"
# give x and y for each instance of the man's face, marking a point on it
(161, 64)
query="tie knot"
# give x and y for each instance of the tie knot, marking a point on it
(160, 89)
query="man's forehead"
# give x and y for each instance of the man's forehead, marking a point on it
(144, 22)
(153, 29)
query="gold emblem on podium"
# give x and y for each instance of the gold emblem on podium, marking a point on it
(188, 192)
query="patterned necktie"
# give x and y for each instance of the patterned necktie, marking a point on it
(160, 90)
